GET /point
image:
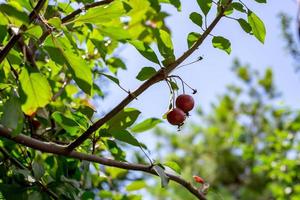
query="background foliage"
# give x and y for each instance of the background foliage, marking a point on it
(245, 147)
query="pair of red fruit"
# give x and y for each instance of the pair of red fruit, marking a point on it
(184, 104)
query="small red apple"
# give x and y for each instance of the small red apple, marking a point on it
(176, 116)
(185, 102)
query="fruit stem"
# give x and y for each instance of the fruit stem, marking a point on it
(183, 82)
(171, 94)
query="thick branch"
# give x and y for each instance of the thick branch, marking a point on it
(160, 75)
(13, 40)
(61, 150)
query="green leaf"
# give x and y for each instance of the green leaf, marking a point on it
(196, 18)
(238, 6)
(175, 3)
(14, 12)
(12, 117)
(70, 125)
(102, 14)
(192, 38)
(257, 25)
(4, 86)
(245, 25)
(205, 5)
(114, 64)
(35, 91)
(165, 44)
(88, 195)
(229, 10)
(112, 78)
(146, 73)
(116, 151)
(163, 176)
(174, 85)
(3, 33)
(34, 31)
(136, 185)
(261, 1)
(80, 70)
(145, 50)
(146, 125)
(174, 166)
(221, 43)
(243, 73)
(114, 32)
(55, 22)
(155, 4)
(125, 136)
(38, 170)
(78, 67)
(123, 119)
(267, 81)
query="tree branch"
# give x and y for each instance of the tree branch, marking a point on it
(72, 15)
(159, 76)
(61, 150)
(13, 40)
(85, 7)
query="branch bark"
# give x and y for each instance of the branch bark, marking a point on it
(61, 150)
(159, 76)
(14, 39)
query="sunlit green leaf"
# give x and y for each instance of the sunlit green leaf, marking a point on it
(205, 5)
(174, 166)
(146, 73)
(165, 44)
(145, 50)
(136, 185)
(221, 43)
(192, 38)
(123, 119)
(102, 14)
(125, 136)
(257, 25)
(146, 125)
(79, 68)
(14, 12)
(70, 125)
(35, 91)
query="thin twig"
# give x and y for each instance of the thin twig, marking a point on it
(14, 39)
(60, 91)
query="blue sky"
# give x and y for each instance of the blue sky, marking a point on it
(210, 75)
